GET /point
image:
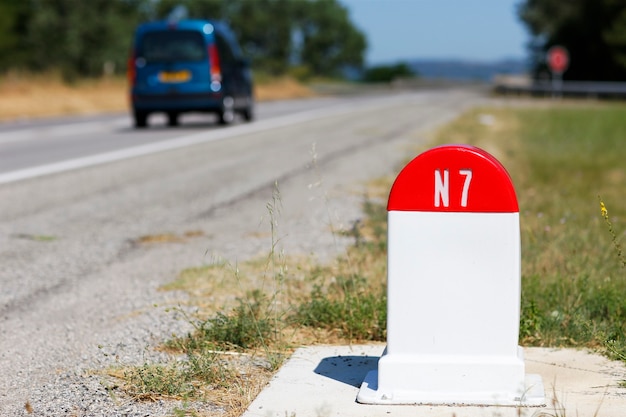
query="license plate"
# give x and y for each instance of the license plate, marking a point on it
(174, 77)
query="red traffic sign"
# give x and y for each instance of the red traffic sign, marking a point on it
(558, 59)
(454, 178)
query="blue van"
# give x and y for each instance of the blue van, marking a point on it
(188, 66)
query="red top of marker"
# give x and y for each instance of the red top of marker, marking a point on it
(454, 178)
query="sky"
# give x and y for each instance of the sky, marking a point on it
(477, 30)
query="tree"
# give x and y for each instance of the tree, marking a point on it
(388, 73)
(264, 29)
(80, 38)
(615, 37)
(14, 15)
(593, 31)
(330, 42)
(276, 34)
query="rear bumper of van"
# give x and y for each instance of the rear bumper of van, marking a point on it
(182, 102)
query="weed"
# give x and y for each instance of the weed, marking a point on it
(245, 328)
(276, 268)
(616, 244)
(36, 238)
(181, 412)
(349, 307)
(151, 381)
(350, 298)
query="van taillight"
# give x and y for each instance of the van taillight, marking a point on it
(214, 64)
(131, 71)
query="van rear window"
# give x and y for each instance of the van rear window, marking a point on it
(173, 46)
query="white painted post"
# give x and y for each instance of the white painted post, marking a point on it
(453, 287)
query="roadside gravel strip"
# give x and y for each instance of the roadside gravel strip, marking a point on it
(79, 292)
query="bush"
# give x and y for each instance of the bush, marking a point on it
(388, 73)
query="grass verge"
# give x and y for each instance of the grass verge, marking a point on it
(561, 158)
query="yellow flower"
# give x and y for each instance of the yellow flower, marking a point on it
(603, 210)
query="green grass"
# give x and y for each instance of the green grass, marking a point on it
(561, 159)
(247, 326)
(349, 307)
(349, 298)
(574, 281)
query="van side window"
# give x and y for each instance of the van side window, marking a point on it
(226, 53)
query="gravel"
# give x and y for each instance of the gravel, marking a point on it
(80, 294)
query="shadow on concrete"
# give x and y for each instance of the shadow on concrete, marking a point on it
(350, 370)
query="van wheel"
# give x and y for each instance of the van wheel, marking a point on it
(172, 119)
(140, 119)
(248, 111)
(227, 113)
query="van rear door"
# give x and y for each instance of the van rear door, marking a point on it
(172, 61)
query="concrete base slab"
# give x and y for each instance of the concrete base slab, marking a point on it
(533, 395)
(323, 381)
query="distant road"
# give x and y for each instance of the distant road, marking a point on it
(80, 196)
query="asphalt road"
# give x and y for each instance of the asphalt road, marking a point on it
(77, 195)
(27, 144)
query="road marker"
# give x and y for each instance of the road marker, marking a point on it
(557, 58)
(454, 287)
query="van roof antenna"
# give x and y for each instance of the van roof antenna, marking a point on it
(177, 14)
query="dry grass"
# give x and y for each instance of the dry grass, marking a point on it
(33, 96)
(227, 398)
(217, 286)
(168, 237)
(281, 89)
(29, 96)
